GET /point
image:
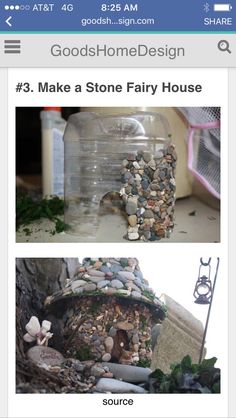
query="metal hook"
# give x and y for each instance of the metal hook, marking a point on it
(207, 263)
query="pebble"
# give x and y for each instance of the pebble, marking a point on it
(112, 332)
(90, 287)
(117, 284)
(116, 386)
(131, 285)
(109, 342)
(131, 206)
(105, 269)
(135, 339)
(152, 164)
(145, 184)
(103, 283)
(116, 267)
(147, 156)
(96, 273)
(132, 220)
(148, 213)
(97, 370)
(136, 165)
(126, 275)
(106, 357)
(77, 283)
(133, 236)
(41, 355)
(132, 374)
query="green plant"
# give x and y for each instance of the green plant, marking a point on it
(84, 353)
(149, 295)
(143, 322)
(29, 210)
(187, 377)
(144, 363)
(148, 343)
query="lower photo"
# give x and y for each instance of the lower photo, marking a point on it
(118, 326)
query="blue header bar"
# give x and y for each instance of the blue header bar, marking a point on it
(117, 16)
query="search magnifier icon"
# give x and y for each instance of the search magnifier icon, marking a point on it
(223, 46)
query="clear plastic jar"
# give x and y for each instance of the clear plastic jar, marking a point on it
(95, 148)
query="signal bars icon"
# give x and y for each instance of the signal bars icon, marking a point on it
(12, 46)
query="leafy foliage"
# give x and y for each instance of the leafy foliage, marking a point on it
(187, 377)
(144, 362)
(29, 210)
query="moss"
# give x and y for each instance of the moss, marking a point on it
(149, 295)
(93, 309)
(84, 353)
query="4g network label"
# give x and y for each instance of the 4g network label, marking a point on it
(94, 87)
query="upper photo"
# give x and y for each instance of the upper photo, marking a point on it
(141, 174)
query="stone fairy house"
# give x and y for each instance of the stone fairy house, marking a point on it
(106, 312)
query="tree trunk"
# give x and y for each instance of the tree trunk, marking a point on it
(36, 278)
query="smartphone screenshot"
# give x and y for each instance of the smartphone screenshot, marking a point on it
(117, 131)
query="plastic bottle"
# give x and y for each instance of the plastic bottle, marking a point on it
(95, 148)
(53, 126)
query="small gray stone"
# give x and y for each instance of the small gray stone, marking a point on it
(90, 287)
(96, 273)
(117, 284)
(131, 206)
(116, 386)
(45, 355)
(148, 213)
(97, 370)
(135, 339)
(106, 357)
(103, 283)
(112, 332)
(116, 267)
(129, 373)
(147, 156)
(127, 176)
(105, 269)
(109, 342)
(126, 275)
(152, 164)
(144, 184)
(136, 295)
(131, 285)
(77, 283)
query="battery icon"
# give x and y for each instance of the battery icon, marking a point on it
(222, 7)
